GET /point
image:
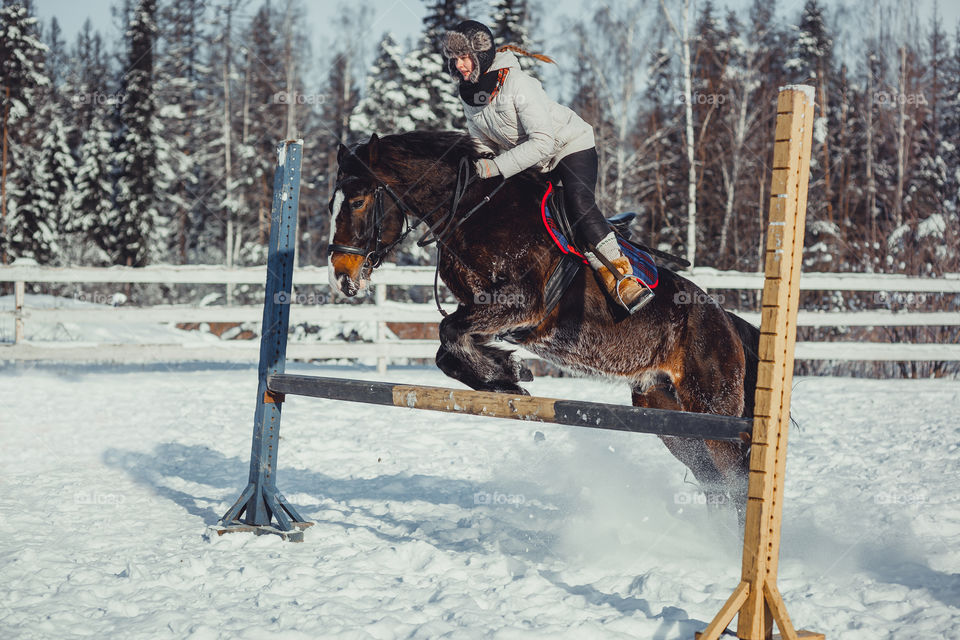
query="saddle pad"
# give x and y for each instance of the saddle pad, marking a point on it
(642, 262)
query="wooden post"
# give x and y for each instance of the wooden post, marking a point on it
(380, 296)
(19, 292)
(757, 598)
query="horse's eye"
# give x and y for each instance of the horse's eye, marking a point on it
(356, 204)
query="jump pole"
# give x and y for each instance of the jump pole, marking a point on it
(757, 598)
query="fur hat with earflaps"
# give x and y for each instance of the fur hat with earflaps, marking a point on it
(469, 38)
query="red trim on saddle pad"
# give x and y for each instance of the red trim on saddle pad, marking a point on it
(642, 264)
(546, 224)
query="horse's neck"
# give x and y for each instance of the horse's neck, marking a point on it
(428, 198)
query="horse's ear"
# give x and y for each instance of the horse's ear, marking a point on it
(340, 151)
(373, 148)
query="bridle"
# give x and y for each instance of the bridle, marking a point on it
(374, 250)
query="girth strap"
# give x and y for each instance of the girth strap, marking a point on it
(557, 285)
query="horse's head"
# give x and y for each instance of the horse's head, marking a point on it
(379, 184)
(365, 220)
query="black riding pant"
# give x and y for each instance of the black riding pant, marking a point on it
(578, 173)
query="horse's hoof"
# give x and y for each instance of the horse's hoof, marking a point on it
(510, 388)
(524, 374)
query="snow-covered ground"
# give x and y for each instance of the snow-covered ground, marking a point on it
(431, 526)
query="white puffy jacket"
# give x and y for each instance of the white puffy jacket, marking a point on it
(523, 126)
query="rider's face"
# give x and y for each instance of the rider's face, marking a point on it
(464, 66)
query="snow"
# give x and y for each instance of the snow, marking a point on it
(824, 227)
(807, 89)
(897, 236)
(934, 226)
(95, 331)
(819, 130)
(106, 505)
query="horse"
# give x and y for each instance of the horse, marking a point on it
(682, 351)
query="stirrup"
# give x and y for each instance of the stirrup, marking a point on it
(641, 301)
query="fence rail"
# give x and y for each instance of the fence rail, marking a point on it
(381, 311)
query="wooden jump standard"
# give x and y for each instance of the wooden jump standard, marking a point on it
(756, 599)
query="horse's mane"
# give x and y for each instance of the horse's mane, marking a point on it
(446, 147)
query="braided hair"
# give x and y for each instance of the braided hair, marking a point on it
(524, 52)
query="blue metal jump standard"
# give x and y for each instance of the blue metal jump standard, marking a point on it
(261, 502)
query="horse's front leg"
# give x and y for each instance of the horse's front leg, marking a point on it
(466, 354)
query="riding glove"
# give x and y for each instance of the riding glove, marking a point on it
(486, 168)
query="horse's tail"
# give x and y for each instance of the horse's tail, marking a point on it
(750, 338)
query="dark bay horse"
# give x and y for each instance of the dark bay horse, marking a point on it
(682, 351)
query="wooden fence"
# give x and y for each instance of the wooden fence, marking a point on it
(378, 309)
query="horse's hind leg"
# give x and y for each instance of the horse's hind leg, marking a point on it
(710, 385)
(658, 392)
(464, 355)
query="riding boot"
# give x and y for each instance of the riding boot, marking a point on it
(623, 287)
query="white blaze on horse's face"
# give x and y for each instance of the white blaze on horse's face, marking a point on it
(344, 270)
(334, 214)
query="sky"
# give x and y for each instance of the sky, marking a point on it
(404, 19)
(404, 16)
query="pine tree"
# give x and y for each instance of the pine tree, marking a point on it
(383, 108)
(87, 83)
(185, 117)
(812, 46)
(56, 59)
(709, 69)
(93, 193)
(260, 105)
(659, 124)
(811, 62)
(23, 80)
(44, 180)
(433, 99)
(928, 186)
(511, 25)
(136, 223)
(50, 192)
(950, 133)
